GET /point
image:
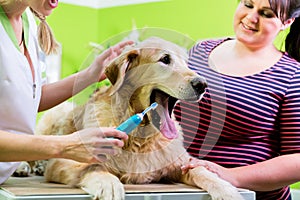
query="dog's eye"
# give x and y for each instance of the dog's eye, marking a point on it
(165, 59)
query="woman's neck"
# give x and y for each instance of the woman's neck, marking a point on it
(14, 13)
(242, 49)
(236, 59)
(14, 10)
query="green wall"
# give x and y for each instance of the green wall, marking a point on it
(76, 26)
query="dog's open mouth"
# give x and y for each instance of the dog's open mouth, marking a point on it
(161, 116)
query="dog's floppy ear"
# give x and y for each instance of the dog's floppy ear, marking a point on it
(115, 72)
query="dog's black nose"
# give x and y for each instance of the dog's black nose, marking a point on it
(199, 84)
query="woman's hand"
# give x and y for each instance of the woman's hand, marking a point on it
(268, 175)
(194, 162)
(102, 60)
(224, 173)
(93, 144)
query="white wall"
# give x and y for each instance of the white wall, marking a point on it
(106, 3)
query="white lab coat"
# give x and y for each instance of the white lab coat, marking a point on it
(18, 103)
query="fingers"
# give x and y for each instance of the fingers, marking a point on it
(187, 167)
(98, 143)
(113, 133)
(116, 49)
(101, 158)
(107, 56)
(109, 139)
(121, 45)
(193, 162)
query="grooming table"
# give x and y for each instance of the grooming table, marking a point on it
(32, 188)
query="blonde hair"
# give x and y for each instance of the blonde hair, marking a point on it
(3, 2)
(46, 38)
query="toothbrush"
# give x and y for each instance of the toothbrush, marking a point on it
(132, 122)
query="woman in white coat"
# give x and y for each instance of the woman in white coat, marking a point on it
(22, 93)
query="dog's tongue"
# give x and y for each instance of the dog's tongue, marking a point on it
(167, 127)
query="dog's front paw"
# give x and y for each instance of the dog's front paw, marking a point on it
(103, 185)
(39, 167)
(23, 170)
(218, 188)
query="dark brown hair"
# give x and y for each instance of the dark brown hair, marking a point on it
(288, 9)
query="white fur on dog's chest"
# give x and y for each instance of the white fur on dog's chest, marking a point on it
(149, 167)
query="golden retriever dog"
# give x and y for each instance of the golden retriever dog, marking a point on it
(155, 70)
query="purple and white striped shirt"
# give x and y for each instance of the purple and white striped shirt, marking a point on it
(243, 120)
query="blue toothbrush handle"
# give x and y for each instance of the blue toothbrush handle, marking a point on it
(130, 124)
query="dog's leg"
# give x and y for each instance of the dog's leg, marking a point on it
(93, 178)
(64, 171)
(103, 185)
(218, 188)
(38, 167)
(30, 168)
(23, 170)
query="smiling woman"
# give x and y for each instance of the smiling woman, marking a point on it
(250, 112)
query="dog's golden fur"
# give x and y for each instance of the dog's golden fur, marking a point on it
(154, 70)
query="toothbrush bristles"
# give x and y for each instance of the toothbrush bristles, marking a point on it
(151, 107)
(154, 105)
